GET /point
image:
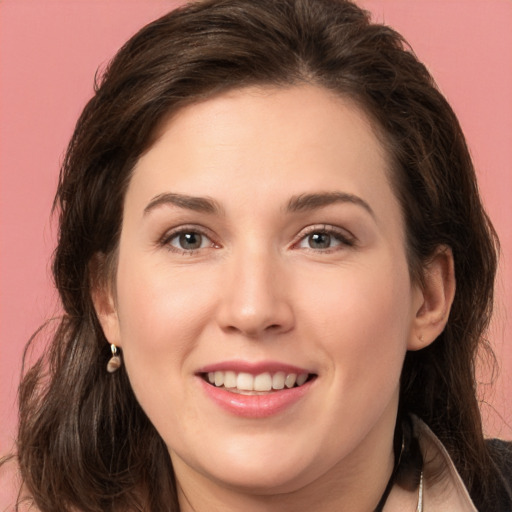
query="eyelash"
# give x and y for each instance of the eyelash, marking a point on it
(344, 238)
(341, 236)
(166, 240)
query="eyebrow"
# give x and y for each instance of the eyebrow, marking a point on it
(308, 202)
(301, 203)
(197, 204)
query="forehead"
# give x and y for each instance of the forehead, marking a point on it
(275, 123)
(275, 142)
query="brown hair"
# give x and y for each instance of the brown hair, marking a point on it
(84, 442)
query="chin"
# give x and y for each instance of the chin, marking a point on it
(264, 480)
(264, 470)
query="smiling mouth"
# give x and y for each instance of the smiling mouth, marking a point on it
(263, 383)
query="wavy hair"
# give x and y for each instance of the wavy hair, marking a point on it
(84, 442)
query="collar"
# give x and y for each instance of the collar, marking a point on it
(443, 488)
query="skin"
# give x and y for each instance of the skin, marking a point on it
(259, 289)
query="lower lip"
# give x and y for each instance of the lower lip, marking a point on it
(255, 406)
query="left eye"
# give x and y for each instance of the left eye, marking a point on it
(189, 241)
(320, 240)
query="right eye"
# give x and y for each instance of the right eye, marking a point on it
(187, 241)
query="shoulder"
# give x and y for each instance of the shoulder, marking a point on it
(444, 482)
(501, 455)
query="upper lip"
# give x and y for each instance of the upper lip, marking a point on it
(254, 368)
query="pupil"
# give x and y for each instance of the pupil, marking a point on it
(190, 240)
(319, 240)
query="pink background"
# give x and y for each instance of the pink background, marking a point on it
(50, 51)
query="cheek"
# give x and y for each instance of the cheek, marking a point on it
(364, 314)
(160, 310)
(160, 320)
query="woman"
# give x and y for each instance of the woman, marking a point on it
(265, 215)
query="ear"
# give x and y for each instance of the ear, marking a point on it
(433, 299)
(103, 298)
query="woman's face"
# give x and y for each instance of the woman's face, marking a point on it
(262, 247)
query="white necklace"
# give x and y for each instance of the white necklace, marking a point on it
(419, 508)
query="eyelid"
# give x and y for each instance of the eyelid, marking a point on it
(345, 236)
(165, 239)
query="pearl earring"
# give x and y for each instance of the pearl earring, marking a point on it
(114, 363)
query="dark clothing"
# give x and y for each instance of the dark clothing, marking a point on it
(501, 452)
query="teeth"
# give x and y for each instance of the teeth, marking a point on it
(278, 380)
(290, 380)
(303, 377)
(262, 382)
(230, 380)
(219, 378)
(244, 381)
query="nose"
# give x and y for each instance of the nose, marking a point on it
(256, 295)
